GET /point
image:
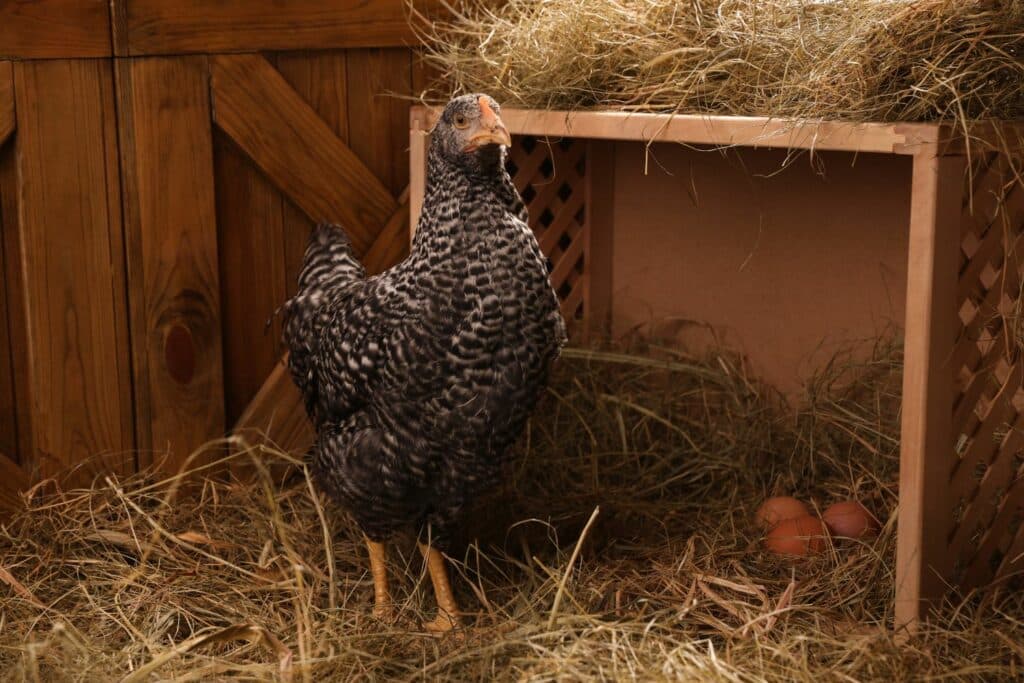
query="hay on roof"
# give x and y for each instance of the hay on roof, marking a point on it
(858, 60)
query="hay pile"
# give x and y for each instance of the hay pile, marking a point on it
(220, 580)
(859, 60)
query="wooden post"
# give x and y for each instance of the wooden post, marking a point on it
(419, 139)
(167, 162)
(931, 328)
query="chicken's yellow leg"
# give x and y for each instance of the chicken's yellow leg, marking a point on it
(379, 569)
(447, 611)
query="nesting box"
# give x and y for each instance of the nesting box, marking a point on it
(912, 223)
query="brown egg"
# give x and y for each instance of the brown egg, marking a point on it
(778, 509)
(797, 537)
(850, 519)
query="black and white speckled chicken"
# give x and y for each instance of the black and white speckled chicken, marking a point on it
(419, 379)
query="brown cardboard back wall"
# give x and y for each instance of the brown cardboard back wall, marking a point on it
(777, 261)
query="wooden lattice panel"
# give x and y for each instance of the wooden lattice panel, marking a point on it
(550, 175)
(986, 478)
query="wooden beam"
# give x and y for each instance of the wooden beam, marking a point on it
(378, 120)
(162, 27)
(7, 120)
(926, 438)
(39, 29)
(170, 216)
(295, 148)
(392, 243)
(78, 379)
(739, 131)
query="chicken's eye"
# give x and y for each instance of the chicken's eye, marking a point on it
(461, 121)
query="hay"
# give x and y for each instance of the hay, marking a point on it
(222, 580)
(851, 60)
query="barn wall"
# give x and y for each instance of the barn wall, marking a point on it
(786, 264)
(161, 164)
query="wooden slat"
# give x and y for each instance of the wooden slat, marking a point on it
(295, 148)
(54, 28)
(14, 285)
(747, 131)
(392, 243)
(320, 79)
(172, 254)
(419, 141)
(162, 27)
(931, 326)
(7, 120)
(378, 116)
(249, 230)
(11, 323)
(76, 325)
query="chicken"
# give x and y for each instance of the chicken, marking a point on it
(419, 380)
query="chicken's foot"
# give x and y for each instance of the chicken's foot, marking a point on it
(447, 610)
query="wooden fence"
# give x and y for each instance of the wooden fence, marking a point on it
(161, 164)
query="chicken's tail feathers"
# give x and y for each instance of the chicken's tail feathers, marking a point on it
(329, 259)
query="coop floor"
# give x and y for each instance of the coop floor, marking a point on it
(221, 580)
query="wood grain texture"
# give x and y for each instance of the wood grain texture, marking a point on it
(379, 83)
(11, 326)
(276, 415)
(172, 253)
(320, 79)
(54, 28)
(296, 149)
(162, 27)
(930, 333)
(392, 243)
(7, 121)
(72, 266)
(252, 278)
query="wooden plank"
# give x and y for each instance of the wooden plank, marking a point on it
(320, 79)
(162, 27)
(249, 230)
(600, 194)
(10, 325)
(392, 243)
(419, 143)
(72, 265)
(379, 80)
(926, 438)
(14, 286)
(277, 415)
(295, 148)
(172, 254)
(745, 131)
(7, 120)
(31, 29)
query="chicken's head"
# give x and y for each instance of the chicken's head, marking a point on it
(470, 133)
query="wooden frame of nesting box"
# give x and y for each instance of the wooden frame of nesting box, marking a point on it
(961, 482)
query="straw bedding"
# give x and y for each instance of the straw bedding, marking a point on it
(621, 548)
(860, 60)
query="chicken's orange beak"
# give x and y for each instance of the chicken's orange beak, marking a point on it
(491, 131)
